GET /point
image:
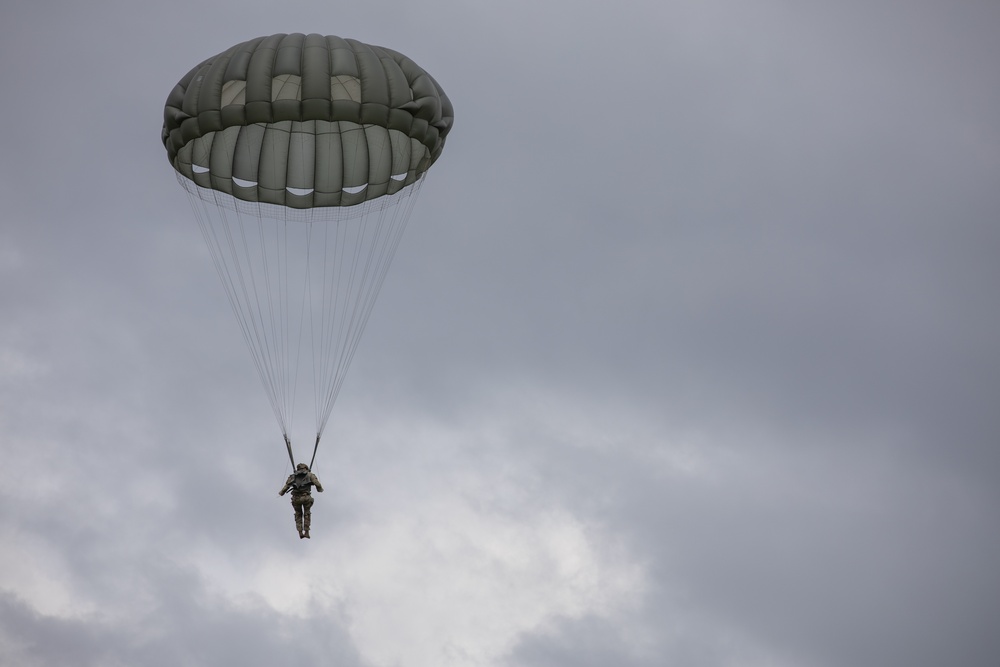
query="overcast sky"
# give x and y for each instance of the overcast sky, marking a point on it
(688, 357)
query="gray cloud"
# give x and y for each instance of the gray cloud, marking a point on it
(687, 355)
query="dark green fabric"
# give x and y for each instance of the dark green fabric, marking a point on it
(306, 120)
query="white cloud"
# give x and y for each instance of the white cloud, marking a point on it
(434, 565)
(36, 571)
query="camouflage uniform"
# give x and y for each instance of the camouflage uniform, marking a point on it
(300, 483)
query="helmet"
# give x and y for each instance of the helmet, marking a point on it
(302, 466)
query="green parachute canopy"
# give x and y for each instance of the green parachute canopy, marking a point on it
(295, 151)
(306, 120)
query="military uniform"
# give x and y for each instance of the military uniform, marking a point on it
(300, 483)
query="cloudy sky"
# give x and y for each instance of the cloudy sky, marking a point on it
(688, 357)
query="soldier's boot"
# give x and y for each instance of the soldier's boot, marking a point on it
(306, 520)
(298, 526)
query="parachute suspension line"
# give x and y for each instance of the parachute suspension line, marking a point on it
(367, 268)
(339, 290)
(269, 342)
(327, 315)
(339, 257)
(280, 302)
(297, 221)
(214, 223)
(264, 344)
(344, 255)
(306, 296)
(352, 284)
(336, 296)
(273, 338)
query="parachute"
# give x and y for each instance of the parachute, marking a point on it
(302, 156)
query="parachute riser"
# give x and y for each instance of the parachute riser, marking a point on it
(288, 446)
(291, 456)
(315, 448)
